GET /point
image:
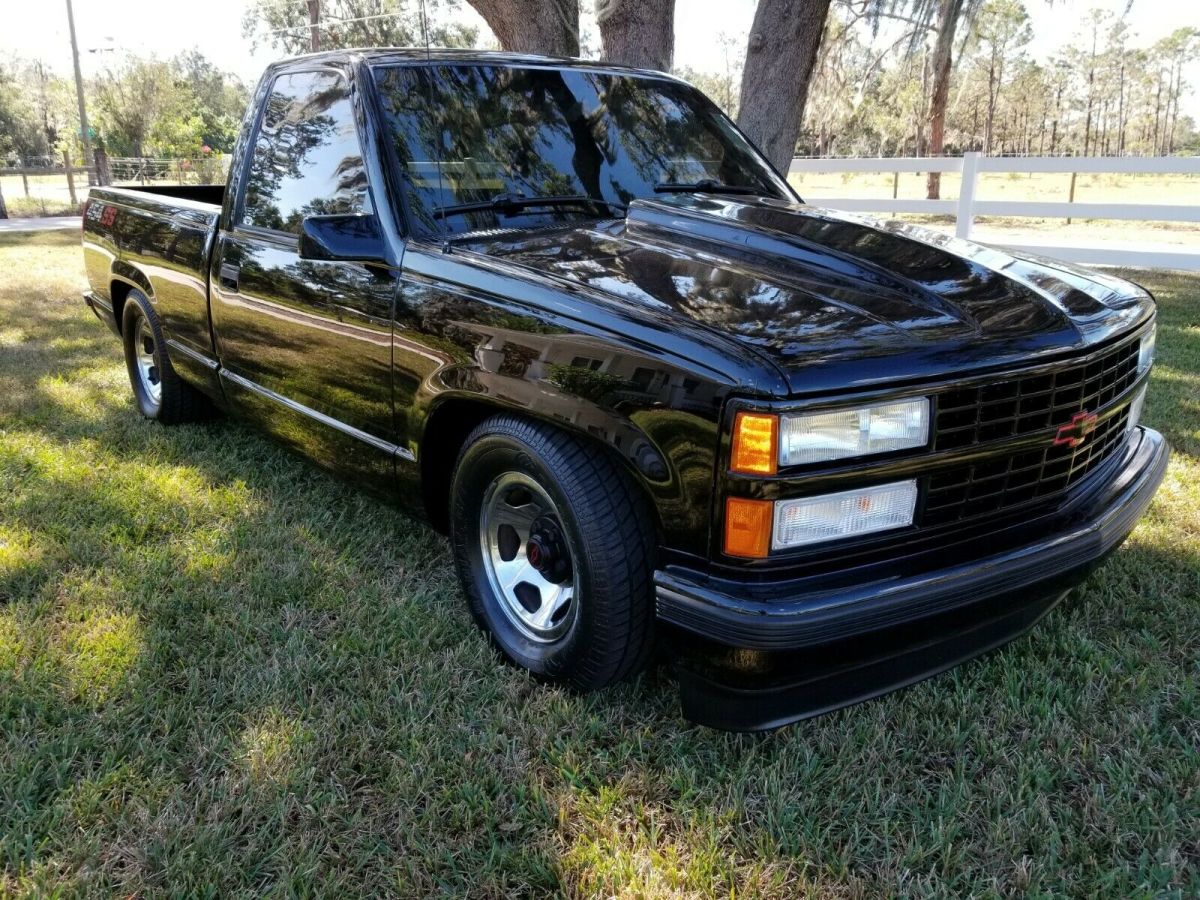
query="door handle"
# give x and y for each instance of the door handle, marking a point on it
(229, 276)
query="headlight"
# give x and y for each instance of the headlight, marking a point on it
(1146, 349)
(812, 520)
(837, 434)
(755, 527)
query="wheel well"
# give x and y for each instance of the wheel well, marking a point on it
(118, 291)
(447, 430)
(445, 433)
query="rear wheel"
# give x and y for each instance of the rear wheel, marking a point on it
(158, 391)
(554, 548)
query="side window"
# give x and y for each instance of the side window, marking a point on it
(307, 160)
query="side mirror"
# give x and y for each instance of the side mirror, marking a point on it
(343, 238)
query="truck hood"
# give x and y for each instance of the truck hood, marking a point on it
(832, 300)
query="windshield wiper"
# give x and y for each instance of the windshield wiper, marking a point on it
(704, 185)
(513, 203)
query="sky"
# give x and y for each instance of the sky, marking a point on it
(110, 29)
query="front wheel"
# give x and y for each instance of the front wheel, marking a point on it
(554, 549)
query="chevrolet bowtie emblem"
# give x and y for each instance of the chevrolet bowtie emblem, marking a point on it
(1075, 432)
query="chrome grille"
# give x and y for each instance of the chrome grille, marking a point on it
(1017, 407)
(1023, 405)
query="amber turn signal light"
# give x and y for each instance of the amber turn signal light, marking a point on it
(748, 527)
(755, 444)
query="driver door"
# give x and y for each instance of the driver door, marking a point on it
(305, 345)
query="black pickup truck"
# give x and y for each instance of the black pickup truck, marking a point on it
(570, 315)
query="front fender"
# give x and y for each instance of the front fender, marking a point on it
(670, 453)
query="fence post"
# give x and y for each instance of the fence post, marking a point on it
(103, 173)
(70, 178)
(966, 194)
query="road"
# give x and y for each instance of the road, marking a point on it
(44, 223)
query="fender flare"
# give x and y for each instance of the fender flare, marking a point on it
(127, 277)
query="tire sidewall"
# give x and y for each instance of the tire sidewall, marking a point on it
(137, 307)
(480, 464)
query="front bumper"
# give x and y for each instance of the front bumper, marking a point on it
(751, 674)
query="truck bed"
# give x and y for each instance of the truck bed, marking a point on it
(157, 240)
(211, 194)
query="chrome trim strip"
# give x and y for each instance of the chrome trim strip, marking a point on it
(211, 364)
(350, 430)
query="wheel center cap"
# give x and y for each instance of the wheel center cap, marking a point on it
(546, 551)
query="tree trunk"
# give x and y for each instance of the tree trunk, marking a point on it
(948, 14)
(103, 171)
(1157, 106)
(3, 207)
(1121, 114)
(780, 57)
(989, 126)
(1087, 125)
(638, 32)
(550, 27)
(1174, 98)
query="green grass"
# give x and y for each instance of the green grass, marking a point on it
(223, 673)
(47, 195)
(38, 207)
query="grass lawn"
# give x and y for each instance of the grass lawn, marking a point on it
(48, 195)
(222, 672)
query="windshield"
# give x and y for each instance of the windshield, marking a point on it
(592, 140)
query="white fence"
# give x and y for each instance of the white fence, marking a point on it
(966, 207)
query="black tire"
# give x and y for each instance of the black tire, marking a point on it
(177, 401)
(607, 529)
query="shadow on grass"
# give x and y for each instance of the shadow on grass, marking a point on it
(223, 671)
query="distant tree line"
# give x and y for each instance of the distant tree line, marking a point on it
(847, 77)
(180, 107)
(1099, 96)
(885, 77)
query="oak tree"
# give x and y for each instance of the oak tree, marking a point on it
(638, 32)
(780, 56)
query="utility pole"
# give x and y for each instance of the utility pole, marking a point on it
(314, 25)
(88, 158)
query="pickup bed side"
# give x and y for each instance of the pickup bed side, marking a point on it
(159, 244)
